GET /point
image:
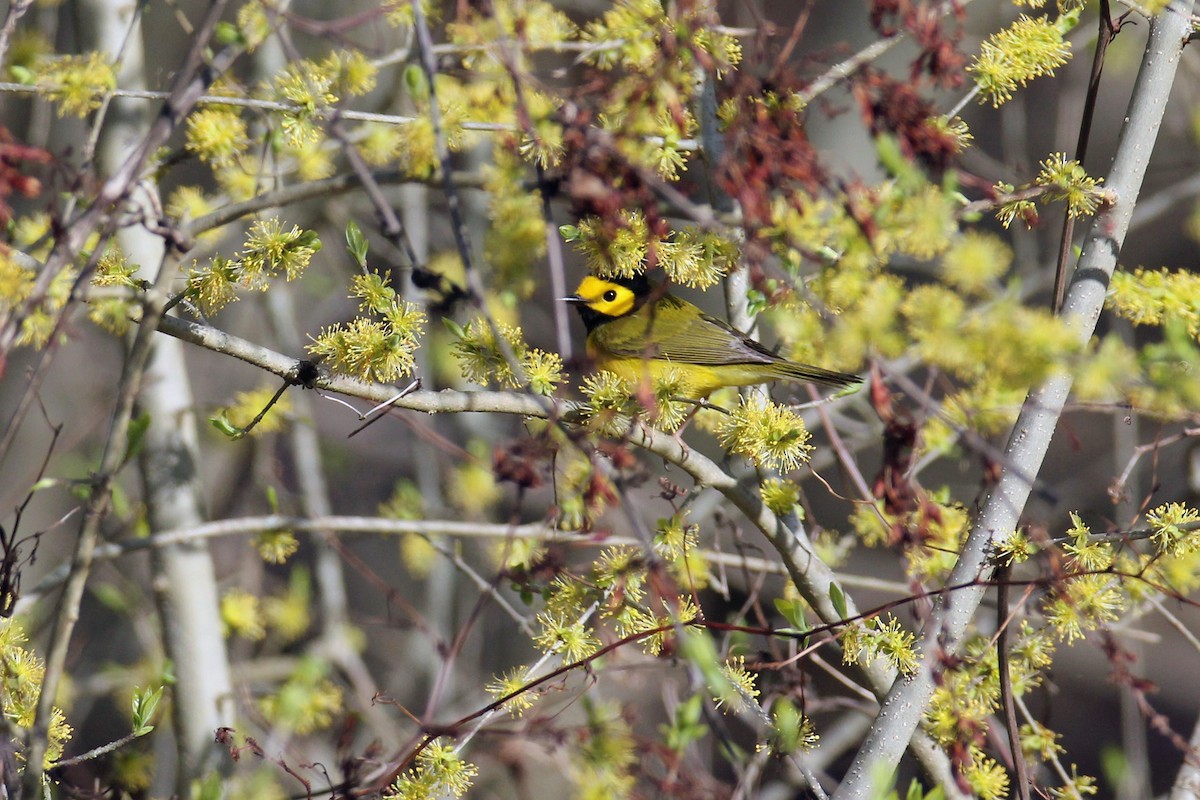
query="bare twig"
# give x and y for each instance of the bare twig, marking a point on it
(16, 10)
(1106, 34)
(287, 195)
(554, 256)
(393, 228)
(1003, 620)
(457, 223)
(191, 81)
(1118, 487)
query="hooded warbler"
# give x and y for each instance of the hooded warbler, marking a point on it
(638, 331)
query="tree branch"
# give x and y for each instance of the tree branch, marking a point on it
(1027, 445)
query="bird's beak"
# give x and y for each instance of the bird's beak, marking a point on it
(572, 299)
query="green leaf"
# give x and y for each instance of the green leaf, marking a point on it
(838, 599)
(272, 499)
(22, 75)
(454, 328)
(44, 483)
(698, 649)
(690, 710)
(310, 239)
(121, 505)
(226, 427)
(356, 243)
(892, 159)
(228, 34)
(686, 726)
(145, 703)
(1114, 764)
(756, 302)
(793, 612)
(112, 598)
(569, 233)
(730, 751)
(135, 436)
(210, 787)
(414, 79)
(787, 721)
(1067, 20)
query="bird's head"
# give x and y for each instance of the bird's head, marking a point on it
(602, 299)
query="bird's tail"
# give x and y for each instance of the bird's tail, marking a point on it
(829, 377)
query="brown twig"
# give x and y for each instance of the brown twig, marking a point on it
(1105, 35)
(1003, 619)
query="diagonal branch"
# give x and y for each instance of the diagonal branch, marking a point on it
(1027, 445)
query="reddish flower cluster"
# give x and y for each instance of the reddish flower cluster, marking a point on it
(767, 154)
(14, 157)
(903, 499)
(939, 56)
(895, 107)
(601, 182)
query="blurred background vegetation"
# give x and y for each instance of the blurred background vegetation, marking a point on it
(512, 575)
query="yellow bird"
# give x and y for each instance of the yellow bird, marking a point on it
(638, 331)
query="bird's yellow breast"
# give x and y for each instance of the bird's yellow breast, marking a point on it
(698, 380)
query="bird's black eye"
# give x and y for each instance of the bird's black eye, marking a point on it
(610, 295)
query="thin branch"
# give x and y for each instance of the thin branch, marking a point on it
(1003, 620)
(1118, 487)
(1175, 622)
(304, 450)
(486, 587)
(338, 184)
(191, 81)
(16, 10)
(1105, 35)
(539, 532)
(99, 751)
(554, 255)
(257, 104)
(392, 228)
(444, 401)
(843, 70)
(458, 224)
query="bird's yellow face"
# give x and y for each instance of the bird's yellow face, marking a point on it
(606, 298)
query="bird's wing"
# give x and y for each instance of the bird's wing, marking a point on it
(695, 338)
